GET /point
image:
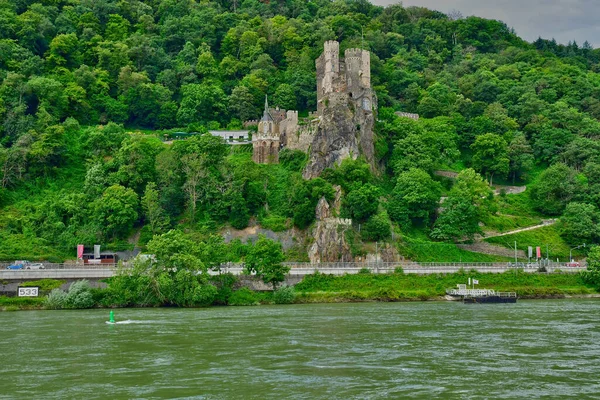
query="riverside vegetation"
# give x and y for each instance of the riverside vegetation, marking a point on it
(88, 89)
(180, 279)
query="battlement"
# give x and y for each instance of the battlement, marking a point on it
(292, 114)
(331, 47)
(354, 53)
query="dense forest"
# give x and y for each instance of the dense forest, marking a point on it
(89, 90)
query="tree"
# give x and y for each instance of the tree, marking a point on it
(490, 155)
(193, 166)
(459, 220)
(117, 210)
(241, 103)
(520, 156)
(265, 259)
(361, 203)
(469, 201)
(555, 188)
(579, 223)
(376, 228)
(592, 275)
(416, 196)
(155, 215)
(285, 97)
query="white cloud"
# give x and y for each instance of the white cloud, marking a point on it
(564, 20)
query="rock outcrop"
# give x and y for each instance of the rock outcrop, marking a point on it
(329, 235)
(343, 132)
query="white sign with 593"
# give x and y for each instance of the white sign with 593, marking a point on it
(28, 291)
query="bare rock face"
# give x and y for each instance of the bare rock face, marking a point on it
(329, 236)
(343, 132)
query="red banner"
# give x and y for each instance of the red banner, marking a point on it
(80, 251)
(538, 252)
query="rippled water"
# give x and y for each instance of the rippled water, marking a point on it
(533, 349)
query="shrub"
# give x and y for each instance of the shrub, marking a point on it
(56, 299)
(364, 271)
(79, 295)
(243, 297)
(284, 295)
(399, 271)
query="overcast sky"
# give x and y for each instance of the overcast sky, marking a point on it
(564, 20)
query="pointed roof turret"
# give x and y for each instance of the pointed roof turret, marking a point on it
(267, 115)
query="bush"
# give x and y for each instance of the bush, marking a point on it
(56, 299)
(284, 295)
(364, 271)
(244, 297)
(79, 295)
(376, 228)
(399, 271)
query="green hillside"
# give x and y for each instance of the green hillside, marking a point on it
(89, 89)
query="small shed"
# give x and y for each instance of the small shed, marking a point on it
(105, 258)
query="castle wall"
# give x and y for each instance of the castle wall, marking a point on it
(303, 137)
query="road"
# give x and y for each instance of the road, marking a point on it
(107, 272)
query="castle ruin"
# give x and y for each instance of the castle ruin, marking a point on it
(341, 128)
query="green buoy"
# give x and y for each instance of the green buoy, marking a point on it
(111, 318)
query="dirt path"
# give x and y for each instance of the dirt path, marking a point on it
(544, 223)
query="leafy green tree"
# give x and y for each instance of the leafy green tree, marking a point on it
(201, 103)
(285, 97)
(579, 223)
(555, 188)
(117, 210)
(592, 275)
(361, 203)
(520, 157)
(376, 228)
(490, 156)
(265, 260)
(153, 212)
(459, 220)
(241, 102)
(416, 196)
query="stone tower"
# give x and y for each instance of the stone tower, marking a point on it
(265, 143)
(349, 76)
(345, 107)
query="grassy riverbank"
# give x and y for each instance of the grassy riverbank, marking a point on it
(321, 288)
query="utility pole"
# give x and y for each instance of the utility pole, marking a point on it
(515, 257)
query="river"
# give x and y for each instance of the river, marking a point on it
(528, 350)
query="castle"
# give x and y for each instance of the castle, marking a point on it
(344, 95)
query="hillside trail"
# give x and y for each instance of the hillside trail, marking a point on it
(544, 223)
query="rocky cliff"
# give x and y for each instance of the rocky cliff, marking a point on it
(343, 131)
(329, 235)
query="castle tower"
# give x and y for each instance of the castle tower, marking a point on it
(265, 143)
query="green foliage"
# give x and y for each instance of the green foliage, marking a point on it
(264, 259)
(284, 295)
(592, 275)
(78, 296)
(244, 297)
(404, 287)
(415, 197)
(548, 235)
(555, 188)
(376, 228)
(44, 284)
(579, 224)
(486, 99)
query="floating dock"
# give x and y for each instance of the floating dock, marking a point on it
(472, 296)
